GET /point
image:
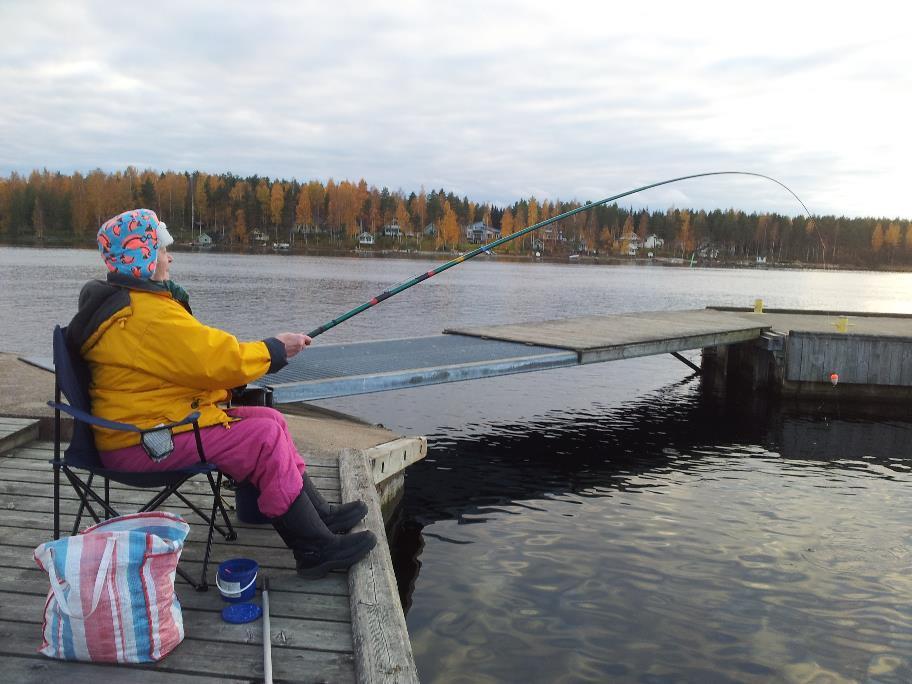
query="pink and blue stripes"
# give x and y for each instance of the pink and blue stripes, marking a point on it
(114, 600)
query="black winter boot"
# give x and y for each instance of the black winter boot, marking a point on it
(316, 549)
(339, 519)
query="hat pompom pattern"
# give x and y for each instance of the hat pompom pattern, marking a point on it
(129, 243)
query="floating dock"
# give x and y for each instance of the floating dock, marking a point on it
(782, 352)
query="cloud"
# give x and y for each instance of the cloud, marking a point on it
(491, 100)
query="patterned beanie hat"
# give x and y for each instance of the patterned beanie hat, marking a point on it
(129, 243)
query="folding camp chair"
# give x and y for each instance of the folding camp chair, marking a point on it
(72, 380)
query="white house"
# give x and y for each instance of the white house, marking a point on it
(204, 240)
(392, 230)
(365, 238)
(259, 236)
(653, 242)
(630, 244)
(481, 232)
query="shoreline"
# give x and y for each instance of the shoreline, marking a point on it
(599, 260)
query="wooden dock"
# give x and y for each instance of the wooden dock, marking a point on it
(346, 627)
(784, 351)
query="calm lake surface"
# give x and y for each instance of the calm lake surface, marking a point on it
(603, 523)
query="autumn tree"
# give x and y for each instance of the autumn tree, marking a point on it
(685, 235)
(263, 196)
(507, 228)
(79, 206)
(38, 219)
(418, 209)
(303, 210)
(643, 226)
(276, 206)
(893, 235)
(449, 227)
(877, 238)
(239, 233)
(200, 200)
(402, 217)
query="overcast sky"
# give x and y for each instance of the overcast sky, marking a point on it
(493, 100)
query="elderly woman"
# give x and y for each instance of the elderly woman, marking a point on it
(153, 363)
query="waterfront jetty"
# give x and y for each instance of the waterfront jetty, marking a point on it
(864, 356)
(792, 353)
(346, 627)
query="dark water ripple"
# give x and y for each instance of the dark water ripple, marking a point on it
(659, 555)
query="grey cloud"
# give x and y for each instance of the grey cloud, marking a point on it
(494, 108)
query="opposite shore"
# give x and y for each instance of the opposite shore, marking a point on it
(427, 255)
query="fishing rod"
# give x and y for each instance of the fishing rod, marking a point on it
(396, 289)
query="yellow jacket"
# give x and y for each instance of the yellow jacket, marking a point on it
(152, 362)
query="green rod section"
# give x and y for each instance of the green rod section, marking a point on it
(396, 289)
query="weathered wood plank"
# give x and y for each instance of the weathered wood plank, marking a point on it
(858, 359)
(327, 607)
(300, 632)
(37, 669)
(209, 658)
(16, 433)
(197, 485)
(382, 648)
(24, 502)
(589, 335)
(793, 352)
(16, 564)
(46, 449)
(18, 545)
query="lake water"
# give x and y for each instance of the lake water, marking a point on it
(602, 523)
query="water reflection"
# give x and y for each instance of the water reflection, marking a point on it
(671, 539)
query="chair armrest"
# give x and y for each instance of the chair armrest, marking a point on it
(113, 424)
(93, 420)
(190, 418)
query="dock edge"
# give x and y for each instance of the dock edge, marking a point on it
(382, 648)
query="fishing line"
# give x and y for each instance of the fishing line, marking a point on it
(396, 289)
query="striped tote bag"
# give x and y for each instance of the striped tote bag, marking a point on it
(112, 594)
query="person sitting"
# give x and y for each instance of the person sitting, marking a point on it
(152, 363)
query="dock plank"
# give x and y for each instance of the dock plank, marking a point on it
(310, 620)
(603, 338)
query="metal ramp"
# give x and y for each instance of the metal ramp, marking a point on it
(339, 370)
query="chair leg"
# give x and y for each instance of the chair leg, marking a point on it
(83, 503)
(56, 500)
(84, 492)
(183, 573)
(217, 492)
(229, 534)
(56, 461)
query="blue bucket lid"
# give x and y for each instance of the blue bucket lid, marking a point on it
(239, 613)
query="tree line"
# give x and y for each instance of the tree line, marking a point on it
(48, 207)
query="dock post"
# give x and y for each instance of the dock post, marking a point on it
(714, 367)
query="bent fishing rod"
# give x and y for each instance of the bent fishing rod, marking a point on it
(396, 289)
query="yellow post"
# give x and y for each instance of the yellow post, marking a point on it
(842, 324)
(758, 306)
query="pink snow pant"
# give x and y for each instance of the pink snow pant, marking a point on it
(256, 449)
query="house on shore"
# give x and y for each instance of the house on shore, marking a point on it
(391, 230)
(365, 238)
(630, 244)
(481, 232)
